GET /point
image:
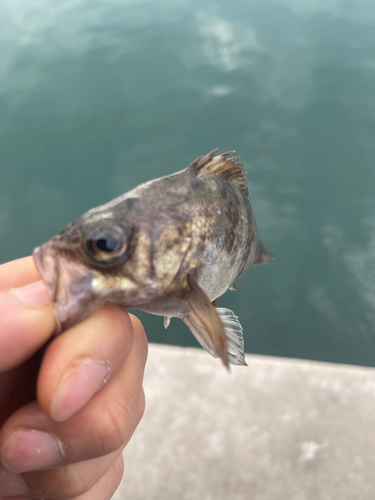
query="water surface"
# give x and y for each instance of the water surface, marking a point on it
(97, 96)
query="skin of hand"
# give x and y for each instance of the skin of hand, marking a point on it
(66, 410)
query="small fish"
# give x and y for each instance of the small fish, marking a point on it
(170, 247)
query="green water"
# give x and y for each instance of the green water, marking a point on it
(97, 96)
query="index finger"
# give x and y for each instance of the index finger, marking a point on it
(27, 322)
(18, 273)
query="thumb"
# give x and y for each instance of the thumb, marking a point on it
(27, 322)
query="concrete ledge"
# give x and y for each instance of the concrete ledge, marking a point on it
(279, 429)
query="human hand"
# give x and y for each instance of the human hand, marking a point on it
(64, 417)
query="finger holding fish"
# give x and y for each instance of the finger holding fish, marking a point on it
(92, 478)
(82, 360)
(63, 459)
(18, 273)
(84, 415)
(27, 323)
(29, 438)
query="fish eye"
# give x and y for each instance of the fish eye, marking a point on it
(106, 244)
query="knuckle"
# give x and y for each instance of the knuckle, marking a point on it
(62, 483)
(141, 406)
(137, 324)
(117, 317)
(118, 471)
(116, 424)
(140, 337)
(76, 483)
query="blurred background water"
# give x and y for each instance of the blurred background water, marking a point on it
(97, 96)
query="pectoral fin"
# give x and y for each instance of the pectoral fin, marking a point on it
(200, 333)
(214, 335)
(233, 330)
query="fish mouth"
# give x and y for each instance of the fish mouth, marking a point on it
(69, 284)
(45, 259)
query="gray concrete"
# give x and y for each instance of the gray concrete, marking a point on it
(279, 429)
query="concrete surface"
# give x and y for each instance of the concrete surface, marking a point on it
(279, 429)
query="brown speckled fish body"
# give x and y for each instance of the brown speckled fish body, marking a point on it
(185, 239)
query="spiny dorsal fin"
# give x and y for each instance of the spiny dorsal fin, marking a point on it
(223, 167)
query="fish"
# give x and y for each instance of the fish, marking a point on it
(170, 247)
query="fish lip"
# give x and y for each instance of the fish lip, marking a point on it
(46, 262)
(69, 285)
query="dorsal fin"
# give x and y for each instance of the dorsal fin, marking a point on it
(223, 167)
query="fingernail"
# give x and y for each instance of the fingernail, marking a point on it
(11, 484)
(35, 294)
(77, 387)
(26, 450)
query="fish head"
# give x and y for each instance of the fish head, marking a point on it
(118, 256)
(85, 265)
